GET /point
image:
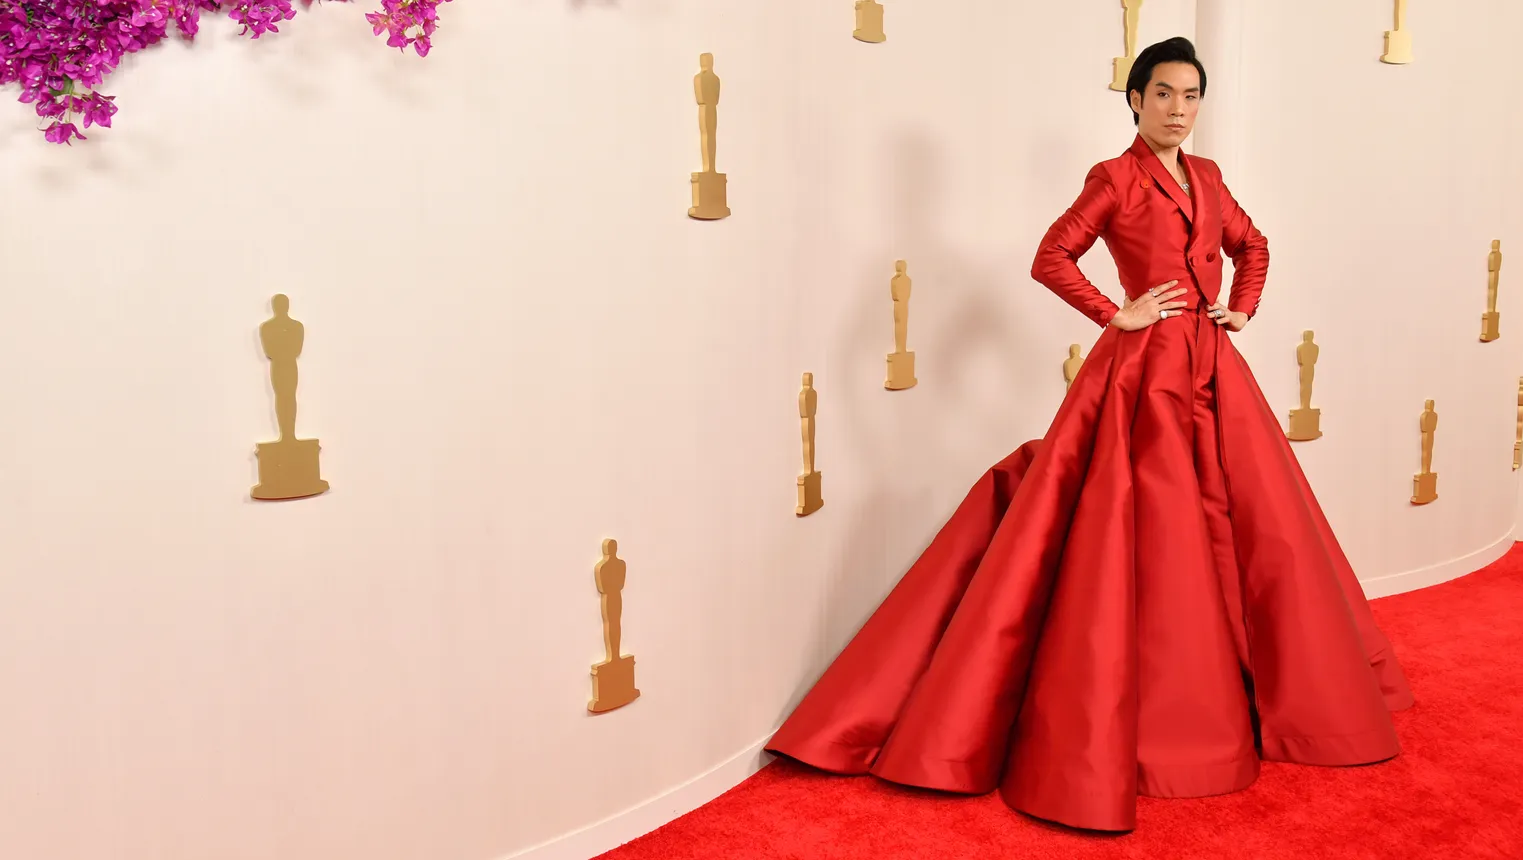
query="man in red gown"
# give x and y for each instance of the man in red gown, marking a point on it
(1148, 600)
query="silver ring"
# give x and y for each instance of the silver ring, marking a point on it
(1153, 293)
(1163, 315)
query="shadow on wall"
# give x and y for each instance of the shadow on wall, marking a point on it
(901, 443)
(971, 323)
(303, 69)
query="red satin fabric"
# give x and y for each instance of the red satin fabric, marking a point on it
(1149, 599)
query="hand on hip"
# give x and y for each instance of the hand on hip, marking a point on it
(1233, 320)
(1150, 307)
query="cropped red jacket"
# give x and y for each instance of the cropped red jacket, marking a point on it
(1155, 233)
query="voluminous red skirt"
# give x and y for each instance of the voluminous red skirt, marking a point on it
(1148, 600)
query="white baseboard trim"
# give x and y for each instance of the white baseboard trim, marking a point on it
(639, 820)
(1411, 580)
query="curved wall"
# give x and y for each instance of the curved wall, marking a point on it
(1381, 188)
(517, 345)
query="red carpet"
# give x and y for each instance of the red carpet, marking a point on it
(1456, 792)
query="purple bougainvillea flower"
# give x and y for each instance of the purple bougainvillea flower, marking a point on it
(97, 110)
(60, 132)
(57, 52)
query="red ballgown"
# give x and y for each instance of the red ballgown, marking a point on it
(1148, 600)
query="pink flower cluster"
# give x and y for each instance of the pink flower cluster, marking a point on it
(59, 51)
(407, 22)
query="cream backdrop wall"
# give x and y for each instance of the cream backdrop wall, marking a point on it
(517, 345)
(1381, 188)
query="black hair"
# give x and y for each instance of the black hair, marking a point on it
(1175, 50)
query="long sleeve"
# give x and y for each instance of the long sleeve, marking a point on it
(1057, 257)
(1249, 251)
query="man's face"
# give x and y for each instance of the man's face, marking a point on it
(1166, 108)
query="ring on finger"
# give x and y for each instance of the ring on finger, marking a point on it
(1153, 293)
(1163, 315)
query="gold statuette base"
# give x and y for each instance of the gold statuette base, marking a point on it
(1491, 326)
(809, 494)
(288, 470)
(1121, 68)
(1305, 425)
(613, 684)
(1424, 487)
(901, 371)
(1398, 48)
(709, 203)
(1517, 455)
(869, 22)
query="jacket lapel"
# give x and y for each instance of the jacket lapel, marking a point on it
(1162, 178)
(1204, 219)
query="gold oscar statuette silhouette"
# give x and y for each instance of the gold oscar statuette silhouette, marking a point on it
(613, 680)
(1121, 67)
(901, 362)
(1517, 445)
(1425, 483)
(1071, 365)
(288, 467)
(809, 481)
(1398, 41)
(869, 22)
(1305, 422)
(1491, 320)
(708, 185)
